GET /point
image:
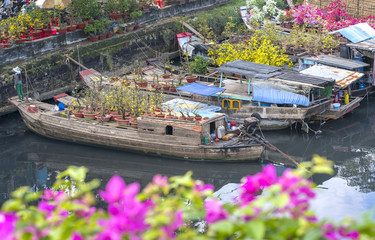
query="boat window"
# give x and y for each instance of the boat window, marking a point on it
(231, 104)
(212, 127)
(226, 103)
(169, 130)
(235, 104)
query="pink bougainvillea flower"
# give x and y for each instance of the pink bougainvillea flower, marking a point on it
(170, 229)
(214, 211)
(77, 236)
(7, 225)
(46, 207)
(160, 181)
(114, 190)
(53, 195)
(201, 187)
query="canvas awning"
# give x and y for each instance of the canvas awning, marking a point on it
(342, 77)
(200, 89)
(337, 62)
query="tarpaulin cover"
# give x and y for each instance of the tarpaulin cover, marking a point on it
(200, 89)
(182, 105)
(264, 92)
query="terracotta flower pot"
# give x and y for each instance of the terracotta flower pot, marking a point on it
(72, 28)
(172, 89)
(81, 25)
(90, 115)
(115, 115)
(166, 76)
(47, 31)
(36, 33)
(166, 88)
(160, 115)
(93, 39)
(191, 79)
(20, 41)
(121, 121)
(78, 114)
(190, 118)
(109, 35)
(198, 118)
(169, 116)
(102, 37)
(105, 119)
(63, 30)
(142, 84)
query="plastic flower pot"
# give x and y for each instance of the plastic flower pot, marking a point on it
(81, 25)
(93, 39)
(72, 28)
(105, 119)
(191, 79)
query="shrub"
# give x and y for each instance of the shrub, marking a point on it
(268, 207)
(199, 65)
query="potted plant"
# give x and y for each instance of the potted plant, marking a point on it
(182, 117)
(190, 77)
(112, 8)
(92, 31)
(172, 88)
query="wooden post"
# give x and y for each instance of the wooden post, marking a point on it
(221, 79)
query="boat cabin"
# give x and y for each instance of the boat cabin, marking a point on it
(183, 132)
(349, 74)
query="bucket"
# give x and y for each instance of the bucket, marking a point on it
(206, 140)
(336, 105)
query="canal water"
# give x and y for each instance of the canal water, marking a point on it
(29, 159)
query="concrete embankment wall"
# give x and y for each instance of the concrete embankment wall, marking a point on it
(49, 73)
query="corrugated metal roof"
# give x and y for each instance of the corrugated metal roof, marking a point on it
(357, 33)
(337, 62)
(249, 69)
(305, 78)
(368, 45)
(342, 77)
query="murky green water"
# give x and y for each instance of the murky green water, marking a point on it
(29, 159)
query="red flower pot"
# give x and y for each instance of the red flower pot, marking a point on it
(109, 35)
(20, 41)
(63, 30)
(78, 114)
(198, 118)
(172, 89)
(93, 39)
(72, 28)
(191, 79)
(121, 121)
(36, 33)
(105, 119)
(101, 37)
(160, 115)
(90, 115)
(47, 31)
(166, 76)
(142, 84)
(81, 25)
(169, 116)
(115, 115)
(166, 88)
(190, 118)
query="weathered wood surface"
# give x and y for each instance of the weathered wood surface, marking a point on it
(331, 113)
(50, 124)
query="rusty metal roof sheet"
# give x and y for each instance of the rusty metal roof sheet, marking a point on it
(337, 62)
(305, 78)
(342, 77)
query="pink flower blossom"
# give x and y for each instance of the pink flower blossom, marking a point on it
(170, 229)
(7, 225)
(214, 211)
(114, 190)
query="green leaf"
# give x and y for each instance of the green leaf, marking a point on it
(255, 229)
(20, 192)
(13, 205)
(33, 196)
(281, 201)
(314, 234)
(224, 227)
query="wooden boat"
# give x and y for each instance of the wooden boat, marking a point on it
(170, 137)
(278, 97)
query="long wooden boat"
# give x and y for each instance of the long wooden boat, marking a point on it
(170, 137)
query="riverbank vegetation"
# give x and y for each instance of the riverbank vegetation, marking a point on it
(268, 207)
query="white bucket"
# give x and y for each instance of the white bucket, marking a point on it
(336, 105)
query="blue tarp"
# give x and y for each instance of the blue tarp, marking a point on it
(265, 93)
(200, 89)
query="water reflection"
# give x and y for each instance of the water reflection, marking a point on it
(29, 159)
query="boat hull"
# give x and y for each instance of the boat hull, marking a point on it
(127, 138)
